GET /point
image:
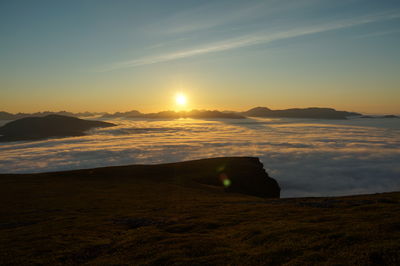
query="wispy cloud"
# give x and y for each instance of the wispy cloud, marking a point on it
(378, 34)
(251, 39)
(215, 14)
(205, 17)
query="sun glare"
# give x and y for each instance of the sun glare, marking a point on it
(180, 99)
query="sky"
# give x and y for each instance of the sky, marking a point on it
(112, 56)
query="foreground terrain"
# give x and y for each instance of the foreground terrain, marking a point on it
(125, 215)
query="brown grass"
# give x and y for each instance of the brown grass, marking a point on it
(111, 220)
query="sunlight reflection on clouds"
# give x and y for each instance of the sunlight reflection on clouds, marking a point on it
(308, 158)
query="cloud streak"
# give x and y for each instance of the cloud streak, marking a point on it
(250, 40)
(378, 34)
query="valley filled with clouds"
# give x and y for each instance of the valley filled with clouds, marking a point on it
(306, 157)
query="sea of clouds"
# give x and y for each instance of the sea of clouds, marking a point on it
(306, 157)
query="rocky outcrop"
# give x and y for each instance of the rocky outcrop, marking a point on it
(244, 175)
(248, 176)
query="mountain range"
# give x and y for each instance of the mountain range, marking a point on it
(311, 112)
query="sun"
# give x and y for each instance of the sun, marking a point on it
(180, 99)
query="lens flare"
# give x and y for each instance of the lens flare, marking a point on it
(225, 180)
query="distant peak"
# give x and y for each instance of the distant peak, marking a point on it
(260, 108)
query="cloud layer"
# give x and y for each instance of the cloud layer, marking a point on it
(308, 158)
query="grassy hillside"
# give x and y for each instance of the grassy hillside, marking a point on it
(116, 216)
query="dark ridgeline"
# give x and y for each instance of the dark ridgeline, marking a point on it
(245, 175)
(10, 116)
(200, 114)
(34, 128)
(380, 116)
(129, 114)
(178, 214)
(312, 112)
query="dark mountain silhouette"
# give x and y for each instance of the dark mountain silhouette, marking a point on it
(9, 116)
(312, 112)
(246, 175)
(199, 114)
(390, 116)
(86, 114)
(381, 116)
(129, 114)
(258, 111)
(33, 128)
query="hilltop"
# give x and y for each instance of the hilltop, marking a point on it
(181, 214)
(34, 128)
(312, 112)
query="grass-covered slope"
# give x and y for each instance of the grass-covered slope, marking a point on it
(117, 216)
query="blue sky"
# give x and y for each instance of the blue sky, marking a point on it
(123, 55)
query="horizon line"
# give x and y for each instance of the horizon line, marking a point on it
(197, 109)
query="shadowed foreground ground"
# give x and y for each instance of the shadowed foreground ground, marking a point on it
(110, 217)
